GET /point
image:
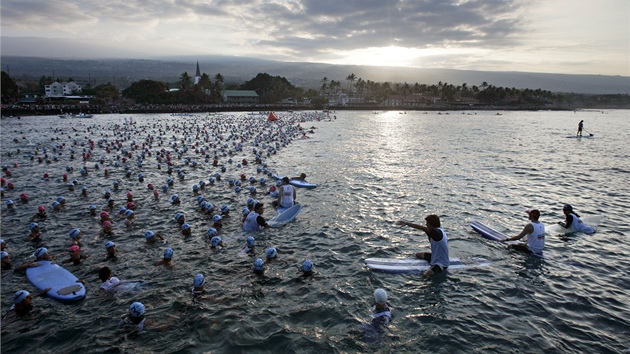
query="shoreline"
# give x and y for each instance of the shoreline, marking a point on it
(264, 109)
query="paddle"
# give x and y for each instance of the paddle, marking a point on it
(589, 133)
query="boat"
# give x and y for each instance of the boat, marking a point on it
(82, 115)
(64, 115)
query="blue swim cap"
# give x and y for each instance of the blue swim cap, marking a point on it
(250, 241)
(136, 309)
(165, 187)
(195, 187)
(250, 201)
(32, 226)
(185, 227)
(54, 204)
(4, 254)
(109, 245)
(262, 180)
(168, 253)
(59, 199)
(225, 208)
(212, 231)
(200, 199)
(111, 199)
(245, 211)
(128, 213)
(40, 252)
(271, 253)
(215, 241)
(209, 206)
(216, 218)
(199, 280)
(92, 207)
(122, 210)
(20, 296)
(307, 266)
(203, 204)
(237, 183)
(238, 189)
(259, 265)
(75, 232)
(84, 188)
(178, 216)
(149, 234)
(175, 197)
(252, 189)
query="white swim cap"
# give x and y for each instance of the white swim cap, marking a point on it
(380, 296)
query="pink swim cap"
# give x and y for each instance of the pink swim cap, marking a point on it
(107, 224)
(150, 185)
(41, 208)
(104, 214)
(75, 248)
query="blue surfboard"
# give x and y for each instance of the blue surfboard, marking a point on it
(63, 284)
(286, 216)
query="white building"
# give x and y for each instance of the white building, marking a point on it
(57, 89)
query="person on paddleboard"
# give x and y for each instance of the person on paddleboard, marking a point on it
(573, 221)
(438, 257)
(580, 128)
(287, 195)
(535, 231)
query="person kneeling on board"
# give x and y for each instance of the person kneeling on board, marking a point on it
(287, 195)
(438, 257)
(535, 231)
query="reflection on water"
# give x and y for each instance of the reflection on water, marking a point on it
(371, 170)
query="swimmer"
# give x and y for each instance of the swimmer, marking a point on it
(381, 314)
(104, 217)
(180, 218)
(3, 245)
(307, 268)
(250, 246)
(23, 302)
(130, 215)
(198, 283)
(152, 237)
(135, 317)
(76, 235)
(112, 252)
(216, 243)
(10, 205)
(6, 260)
(75, 255)
(217, 221)
(573, 221)
(259, 266)
(166, 260)
(92, 209)
(186, 230)
(36, 233)
(225, 211)
(107, 229)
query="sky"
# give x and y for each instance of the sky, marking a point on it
(550, 36)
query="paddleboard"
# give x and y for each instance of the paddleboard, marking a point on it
(580, 137)
(494, 235)
(63, 284)
(286, 216)
(298, 183)
(416, 265)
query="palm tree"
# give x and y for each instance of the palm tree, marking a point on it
(350, 79)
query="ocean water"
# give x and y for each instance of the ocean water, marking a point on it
(372, 169)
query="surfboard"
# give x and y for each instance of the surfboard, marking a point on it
(580, 137)
(63, 284)
(416, 265)
(286, 216)
(298, 183)
(494, 235)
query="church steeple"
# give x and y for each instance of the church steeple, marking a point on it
(198, 74)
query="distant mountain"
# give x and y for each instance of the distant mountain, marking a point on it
(123, 72)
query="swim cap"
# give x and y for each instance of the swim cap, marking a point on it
(199, 280)
(40, 252)
(107, 224)
(567, 207)
(245, 211)
(238, 189)
(41, 208)
(104, 214)
(380, 296)
(271, 253)
(212, 231)
(20, 296)
(165, 187)
(175, 197)
(136, 309)
(209, 206)
(307, 266)
(92, 207)
(60, 199)
(109, 245)
(122, 210)
(178, 216)
(215, 241)
(75, 232)
(199, 199)
(195, 187)
(250, 241)
(54, 204)
(259, 265)
(32, 226)
(273, 188)
(168, 253)
(128, 213)
(216, 218)
(130, 205)
(4, 254)
(185, 227)
(225, 208)
(75, 248)
(252, 189)
(149, 234)
(250, 201)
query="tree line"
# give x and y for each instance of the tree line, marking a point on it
(274, 89)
